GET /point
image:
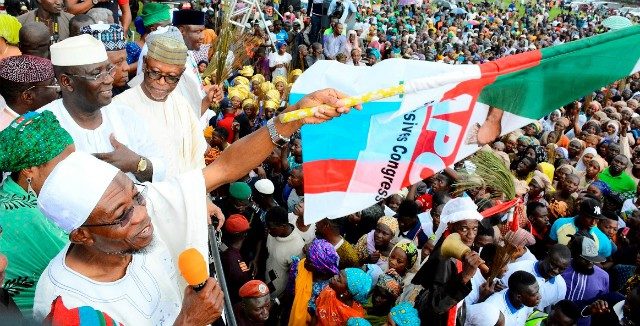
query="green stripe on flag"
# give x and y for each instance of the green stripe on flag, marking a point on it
(566, 72)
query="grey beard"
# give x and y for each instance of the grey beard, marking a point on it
(139, 251)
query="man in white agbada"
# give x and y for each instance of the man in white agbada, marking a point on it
(114, 133)
(168, 114)
(125, 238)
(189, 24)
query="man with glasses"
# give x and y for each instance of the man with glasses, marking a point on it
(27, 83)
(113, 38)
(125, 240)
(111, 132)
(167, 112)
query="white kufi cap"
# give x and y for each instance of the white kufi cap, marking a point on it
(78, 51)
(73, 189)
(265, 186)
(456, 210)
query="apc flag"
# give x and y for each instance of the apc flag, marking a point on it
(356, 160)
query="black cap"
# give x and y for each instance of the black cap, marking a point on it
(590, 207)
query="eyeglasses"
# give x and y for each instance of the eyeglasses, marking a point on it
(139, 199)
(53, 85)
(167, 78)
(111, 71)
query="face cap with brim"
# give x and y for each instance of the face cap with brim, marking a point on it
(587, 248)
(592, 208)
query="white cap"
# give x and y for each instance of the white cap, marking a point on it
(73, 189)
(265, 186)
(456, 210)
(78, 51)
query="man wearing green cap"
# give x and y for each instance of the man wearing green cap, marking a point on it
(169, 115)
(29, 149)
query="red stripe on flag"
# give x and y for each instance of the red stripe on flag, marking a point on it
(328, 175)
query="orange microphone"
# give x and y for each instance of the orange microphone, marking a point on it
(193, 268)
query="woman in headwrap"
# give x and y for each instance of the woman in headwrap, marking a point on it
(280, 82)
(404, 314)
(310, 276)
(30, 147)
(293, 75)
(594, 167)
(383, 297)
(559, 128)
(599, 190)
(9, 30)
(611, 131)
(523, 168)
(538, 186)
(256, 81)
(343, 298)
(403, 259)
(587, 155)
(548, 125)
(375, 246)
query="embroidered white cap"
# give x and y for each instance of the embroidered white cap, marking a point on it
(73, 189)
(78, 51)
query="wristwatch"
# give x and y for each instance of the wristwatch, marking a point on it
(276, 138)
(142, 164)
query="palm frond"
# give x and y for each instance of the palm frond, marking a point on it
(490, 172)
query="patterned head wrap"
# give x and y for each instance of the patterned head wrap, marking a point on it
(391, 282)
(31, 140)
(258, 78)
(153, 13)
(558, 209)
(542, 180)
(9, 28)
(273, 95)
(357, 321)
(248, 102)
(323, 257)
(358, 283)
(234, 92)
(240, 80)
(266, 86)
(246, 71)
(269, 104)
(526, 140)
(391, 223)
(541, 153)
(410, 250)
(404, 314)
(603, 187)
(294, 73)
(537, 126)
(519, 238)
(280, 79)
(26, 69)
(562, 152)
(111, 35)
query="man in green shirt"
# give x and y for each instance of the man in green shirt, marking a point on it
(617, 179)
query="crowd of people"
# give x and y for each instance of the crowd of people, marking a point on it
(117, 153)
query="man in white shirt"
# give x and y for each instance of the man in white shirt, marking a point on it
(514, 304)
(168, 114)
(283, 242)
(112, 132)
(548, 273)
(115, 264)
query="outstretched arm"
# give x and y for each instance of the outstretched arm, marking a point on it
(248, 152)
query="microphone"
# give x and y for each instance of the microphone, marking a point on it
(193, 268)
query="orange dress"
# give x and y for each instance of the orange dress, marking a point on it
(330, 311)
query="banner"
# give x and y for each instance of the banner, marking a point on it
(354, 161)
